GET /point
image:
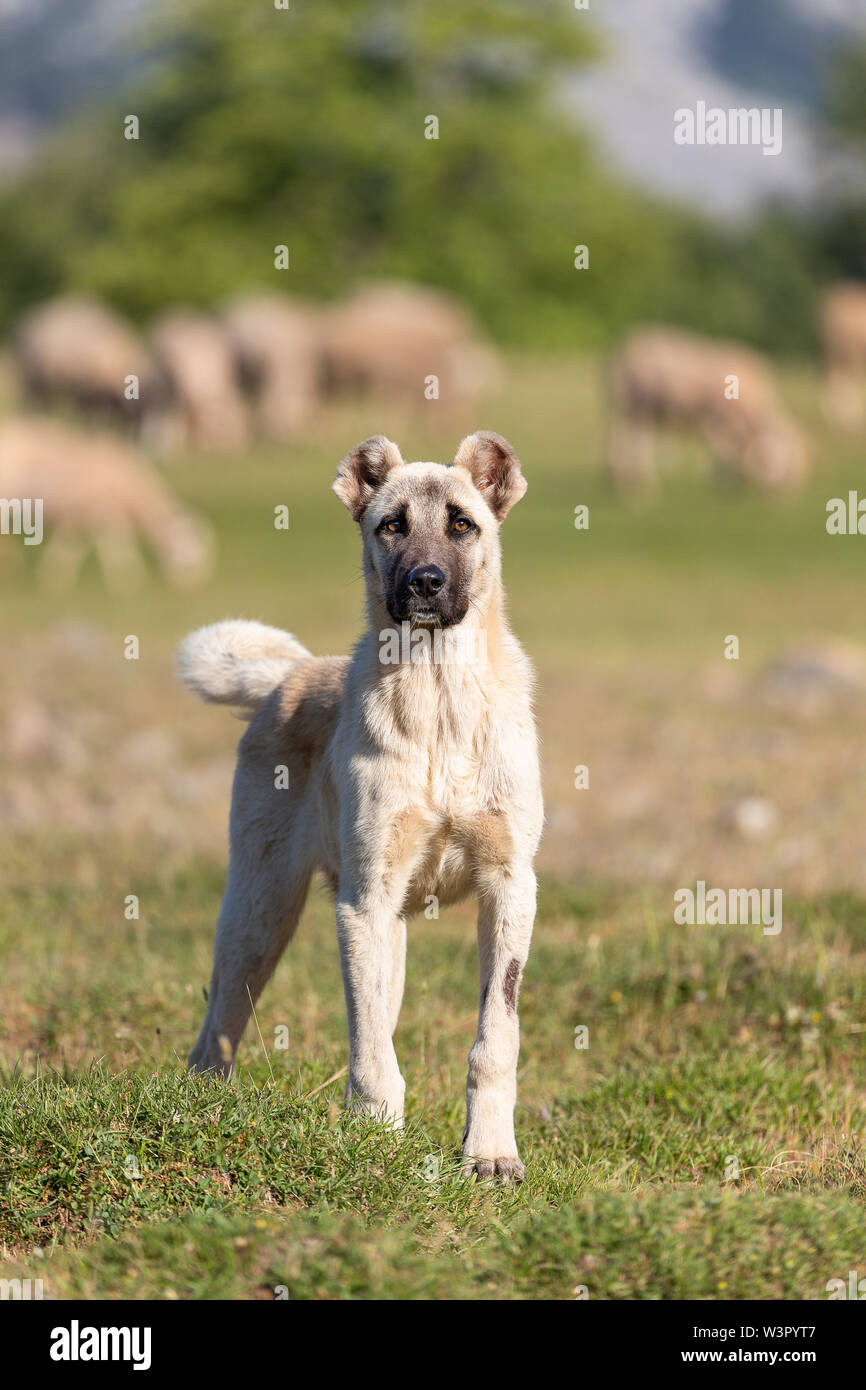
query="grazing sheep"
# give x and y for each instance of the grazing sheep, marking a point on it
(843, 329)
(664, 378)
(389, 340)
(276, 349)
(77, 352)
(98, 491)
(200, 402)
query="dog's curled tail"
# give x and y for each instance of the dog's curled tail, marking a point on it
(237, 662)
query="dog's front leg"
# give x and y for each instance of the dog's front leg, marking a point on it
(372, 948)
(506, 911)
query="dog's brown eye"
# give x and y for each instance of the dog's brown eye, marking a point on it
(393, 527)
(462, 524)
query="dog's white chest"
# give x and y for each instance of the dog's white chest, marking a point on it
(456, 784)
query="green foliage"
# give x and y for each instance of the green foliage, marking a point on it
(840, 231)
(847, 106)
(305, 127)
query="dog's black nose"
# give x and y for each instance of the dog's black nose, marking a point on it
(425, 581)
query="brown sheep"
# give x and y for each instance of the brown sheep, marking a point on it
(97, 490)
(665, 378)
(276, 348)
(77, 352)
(201, 406)
(843, 330)
(389, 340)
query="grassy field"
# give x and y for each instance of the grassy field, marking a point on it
(707, 1143)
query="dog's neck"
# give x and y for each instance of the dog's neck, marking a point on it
(424, 700)
(433, 698)
(471, 648)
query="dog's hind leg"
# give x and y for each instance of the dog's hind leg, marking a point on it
(398, 970)
(258, 918)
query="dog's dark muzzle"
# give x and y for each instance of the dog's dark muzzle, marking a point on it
(423, 595)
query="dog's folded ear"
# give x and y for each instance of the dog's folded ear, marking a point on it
(363, 470)
(494, 468)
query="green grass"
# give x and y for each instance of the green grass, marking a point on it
(708, 1141)
(609, 1245)
(133, 1179)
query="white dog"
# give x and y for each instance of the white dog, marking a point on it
(412, 771)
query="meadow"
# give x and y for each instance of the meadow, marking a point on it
(706, 1143)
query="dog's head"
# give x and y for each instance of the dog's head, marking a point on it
(430, 530)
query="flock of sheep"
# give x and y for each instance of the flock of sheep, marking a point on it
(261, 369)
(664, 378)
(265, 366)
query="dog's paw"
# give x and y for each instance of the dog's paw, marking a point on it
(214, 1060)
(507, 1170)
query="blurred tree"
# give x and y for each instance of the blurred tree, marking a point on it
(306, 127)
(841, 228)
(847, 101)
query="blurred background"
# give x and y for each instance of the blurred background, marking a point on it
(200, 319)
(555, 120)
(237, 239)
